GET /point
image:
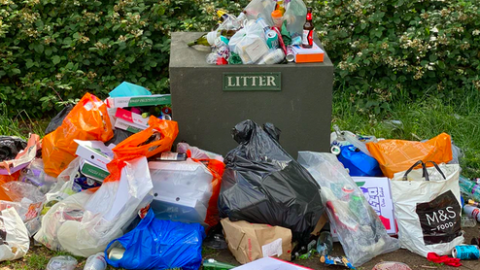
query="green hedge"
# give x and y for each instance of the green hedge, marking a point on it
(388, 50)
(53, 51)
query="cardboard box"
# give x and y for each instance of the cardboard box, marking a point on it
(138, 101)
(133, 118)
(122, 124)
(92, 171)
(95, 152)
(377, 192)
(270, 263)
(314, 54)
(249, 242)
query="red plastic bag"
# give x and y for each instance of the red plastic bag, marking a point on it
(88, 121)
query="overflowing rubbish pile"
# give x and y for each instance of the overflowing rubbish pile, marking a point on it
(265, 32)
(104, 184)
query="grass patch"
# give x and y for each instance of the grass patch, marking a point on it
(418, 121)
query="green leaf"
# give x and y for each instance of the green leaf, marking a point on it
(29, 63)
(48, 51)
(38, 48)
(15, 71)
(433, 57)
(130, 59)
(56, 59)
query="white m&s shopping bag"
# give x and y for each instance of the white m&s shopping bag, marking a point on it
(428, 208)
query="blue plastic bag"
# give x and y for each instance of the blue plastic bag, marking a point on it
(358, 163)
(160, 244)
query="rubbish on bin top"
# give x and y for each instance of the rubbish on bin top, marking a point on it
(11, 146)
(314, 54)
(269, 263)
(126, 89)
(138, 101)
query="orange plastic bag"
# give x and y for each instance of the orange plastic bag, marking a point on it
(217, 168)
(398, 155)
(88, 121)
(158, 137)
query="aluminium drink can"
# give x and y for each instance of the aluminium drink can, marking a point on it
(272, 39)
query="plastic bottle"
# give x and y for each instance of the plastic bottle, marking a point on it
(62, 263)
(277, 17)
(212, 264)
(273, 57)
(469, 188)
(325, 243)
(96, 262)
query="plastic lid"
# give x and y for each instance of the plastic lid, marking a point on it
(277, 14)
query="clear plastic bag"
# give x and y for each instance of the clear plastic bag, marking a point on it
(197, 153)
(359, 228)
(261, 9)
(36, 175)
(84, 223)
(249, 43)
(295, 15)
(27, 200)
(62, 263)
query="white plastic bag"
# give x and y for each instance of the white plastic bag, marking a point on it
(428, 212)
(261, 9)
(359, 228)
(13, 237)
(182, 190)
(65, 185)
(249, 43)
(84, 223)
(295, 15)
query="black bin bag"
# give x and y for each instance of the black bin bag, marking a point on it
(262, 183)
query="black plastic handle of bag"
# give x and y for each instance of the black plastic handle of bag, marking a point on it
(424, 170)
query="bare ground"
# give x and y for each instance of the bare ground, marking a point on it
(411, 259)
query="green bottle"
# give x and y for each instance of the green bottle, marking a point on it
(208, 39)
(212, 264)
